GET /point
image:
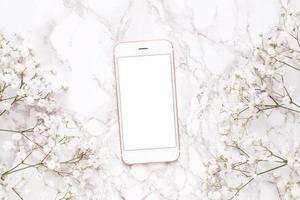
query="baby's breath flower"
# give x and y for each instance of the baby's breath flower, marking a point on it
(39, 136)
(257, 131)
(8, 146)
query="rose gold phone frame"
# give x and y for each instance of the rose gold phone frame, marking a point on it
(175, 101)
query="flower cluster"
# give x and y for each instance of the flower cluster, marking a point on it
(38, 138)
(259, 119)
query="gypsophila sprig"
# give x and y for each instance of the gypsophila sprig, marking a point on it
(40, 139)
(262, 108)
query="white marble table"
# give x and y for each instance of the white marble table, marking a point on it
(78, 37)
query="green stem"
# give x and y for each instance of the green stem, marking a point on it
(268, 107)
(20, 169)
(240, 149)
(240, 188)
(272, 169)
(17, 193)
(16, 131)
(8, 98)
(14, 169)
(74, 160)
(22, 133)
(2, 112)
(287, 64)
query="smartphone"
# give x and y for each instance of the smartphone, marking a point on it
(146, 100)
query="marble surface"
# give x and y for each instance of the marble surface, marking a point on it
(208, 36)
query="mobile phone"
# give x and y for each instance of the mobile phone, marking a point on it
(146, 100)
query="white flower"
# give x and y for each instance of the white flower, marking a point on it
(74, 190)
(276, 173)
(286, 100)
(291, 88)
(254, 175)
(51, 106)
(271, 51)
(216, 195)
(8, 146)
(223, 138)
(51, 133)
(5, 105)
(270, 72)
(51, 143)
(261, 68)
(291, 161)
(42, 102)
(52, 164)
(22, 91)
(94, 161)
(39, 139)
(16, 136)
(65, 85)
(6, 78)
(3, 193)
(258, 100)
(19, 68)
(21, 154)
(295, 191)
(252, 91)
(281, 183)
(29, 100)
(287, 196)
(289, 25)
(212, 168)
(225, 192)
(76, 173)
(14, 83)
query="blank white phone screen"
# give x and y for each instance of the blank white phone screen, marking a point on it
(146, 102)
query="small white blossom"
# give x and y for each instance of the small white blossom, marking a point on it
(8, 146)
(19, 68)
(5, 105)
(41, 137)
(271, 51)
(16, 136)
(295, 191)
(286, 100)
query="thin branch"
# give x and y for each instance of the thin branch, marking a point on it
(287, 64)
(240, 188)
(8, 98)
(240, 149)
(272, 169)
(17, 193)
(291, 99)
(22, 132)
